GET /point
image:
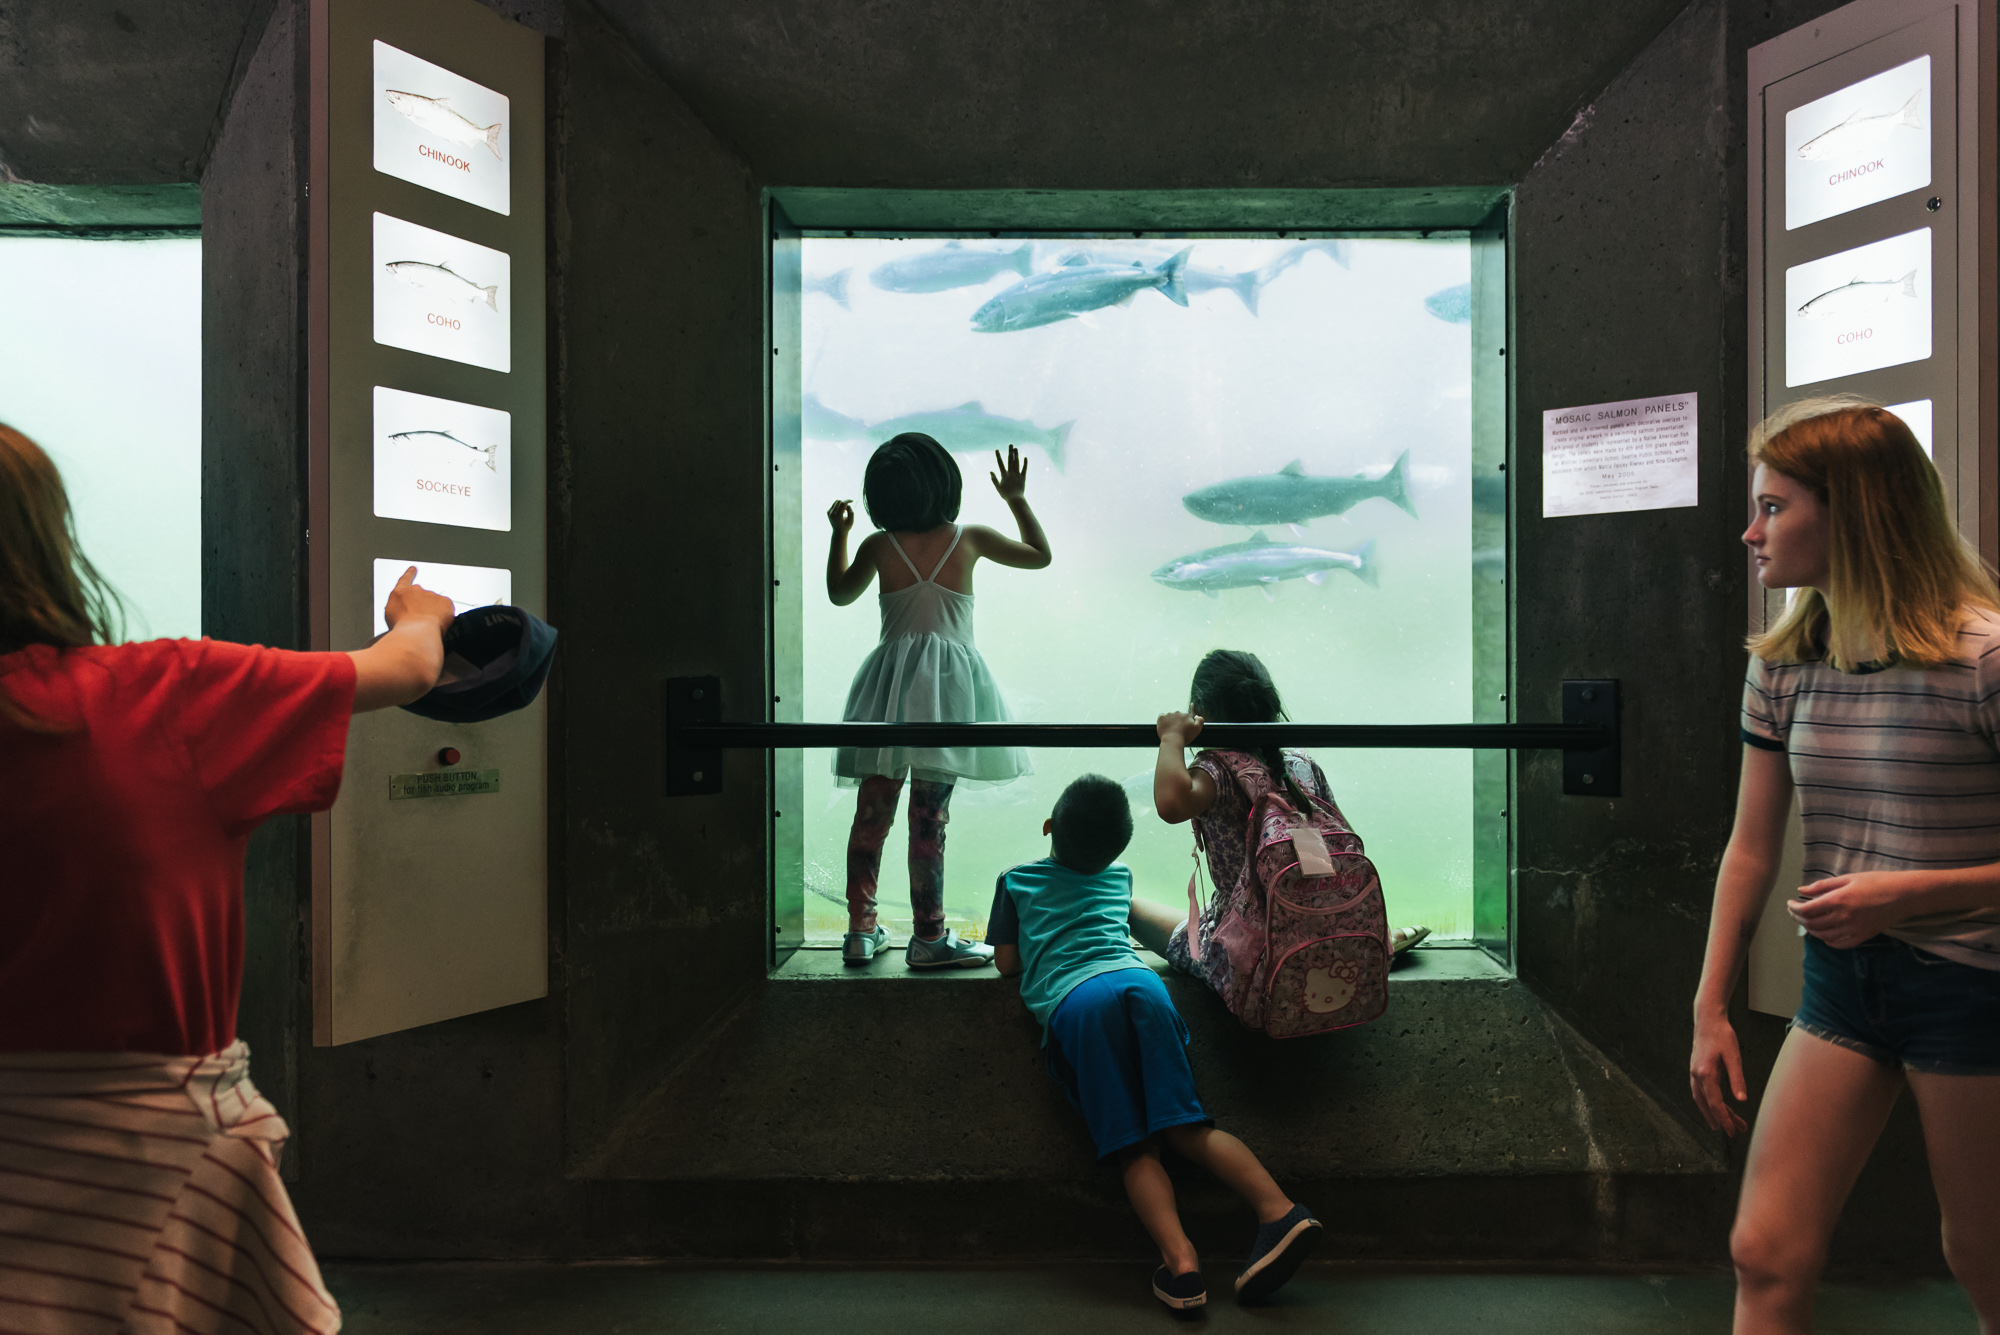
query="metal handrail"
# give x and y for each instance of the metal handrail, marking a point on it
(1588, 736)
(1233, 736)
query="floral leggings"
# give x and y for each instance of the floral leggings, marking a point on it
(874, 813)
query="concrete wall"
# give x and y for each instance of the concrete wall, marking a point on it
(253, 481)
(104, 92)
(661, 565)
(922, 94)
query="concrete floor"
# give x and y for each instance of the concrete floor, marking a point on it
(498, 1299)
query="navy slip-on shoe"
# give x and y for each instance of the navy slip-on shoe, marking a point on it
(1276, 1254)
(1179, 1291)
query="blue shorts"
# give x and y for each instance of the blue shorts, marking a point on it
(1903, 1006)
(1119, 1048)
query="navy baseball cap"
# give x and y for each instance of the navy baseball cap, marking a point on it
(501, 657)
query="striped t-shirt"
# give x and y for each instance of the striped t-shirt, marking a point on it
(1897, 769)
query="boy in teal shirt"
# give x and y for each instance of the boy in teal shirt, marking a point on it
(1113, 1040)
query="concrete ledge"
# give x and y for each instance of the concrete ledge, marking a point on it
(883, 1076)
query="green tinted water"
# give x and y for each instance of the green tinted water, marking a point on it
(1342, 368)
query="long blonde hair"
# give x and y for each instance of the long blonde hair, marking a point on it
(1899, 575)
(49, 592)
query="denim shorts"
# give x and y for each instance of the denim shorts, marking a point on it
(1903, 1006)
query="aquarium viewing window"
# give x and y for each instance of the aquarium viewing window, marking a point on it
(100, 364)
(1253, 442)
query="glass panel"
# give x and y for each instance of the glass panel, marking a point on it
(1283, 464)
(467, 586)
(440, 461)
(1859, 310)
(1868, 142)
(1918, 415)
(443, 295)
(788, 589)
(439, 130)
(100, 365)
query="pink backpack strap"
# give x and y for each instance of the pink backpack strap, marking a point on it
(1246, 769)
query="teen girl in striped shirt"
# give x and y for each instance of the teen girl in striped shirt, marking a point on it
(1877, 699)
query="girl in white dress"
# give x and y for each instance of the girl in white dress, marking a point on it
(925, 670)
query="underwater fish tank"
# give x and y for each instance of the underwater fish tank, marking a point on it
(1284, 444)
(100, 365)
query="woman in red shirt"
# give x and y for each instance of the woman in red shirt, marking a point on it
(138, 1165)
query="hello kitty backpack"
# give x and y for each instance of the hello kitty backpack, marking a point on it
(1304, 928)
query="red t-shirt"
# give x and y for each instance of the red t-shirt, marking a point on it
(122, 837)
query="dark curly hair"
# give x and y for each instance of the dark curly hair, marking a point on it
(912, 484)
(1093, 823)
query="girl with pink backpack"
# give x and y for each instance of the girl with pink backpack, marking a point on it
(1294, 937)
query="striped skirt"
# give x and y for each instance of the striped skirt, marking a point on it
(141, 1193)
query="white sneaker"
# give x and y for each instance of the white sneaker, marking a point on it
(862, 947)
(950, 951)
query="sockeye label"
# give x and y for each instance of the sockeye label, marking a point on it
(444, 488)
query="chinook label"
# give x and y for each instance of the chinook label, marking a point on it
(1852, 172)
(457, 164)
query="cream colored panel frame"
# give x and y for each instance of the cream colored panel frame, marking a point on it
(433, 907)
(1961, 377)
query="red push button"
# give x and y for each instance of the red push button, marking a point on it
(448, 756)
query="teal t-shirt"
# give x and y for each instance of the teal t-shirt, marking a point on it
(1069, 927)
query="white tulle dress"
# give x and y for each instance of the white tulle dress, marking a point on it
(926, 670)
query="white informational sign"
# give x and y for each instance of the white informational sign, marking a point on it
(439, 461)
(440, 131)
(1602, 458)
(439, 294)
(1916, 415)
(467, 586)
(1868, 142)
(1859, 310)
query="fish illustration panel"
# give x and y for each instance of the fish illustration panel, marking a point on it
(439, 461)
(1859, 310)
(1868, 142)
(1253, 443)
(467, 586)
(442, 295)
(440, 130)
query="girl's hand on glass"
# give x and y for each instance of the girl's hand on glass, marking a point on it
(1012, 479)
(1716, 1055)
(1176, 726)
(841, 515)
(1844, 911)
